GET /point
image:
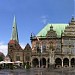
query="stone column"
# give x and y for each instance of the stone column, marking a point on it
(69, 62)
(62, 62)
(46, 63)
(39, 63)
(31, 63)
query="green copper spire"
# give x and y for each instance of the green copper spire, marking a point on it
(14, 31)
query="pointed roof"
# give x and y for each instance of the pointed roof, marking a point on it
(14, 35)
(27, 47)
(12, 42)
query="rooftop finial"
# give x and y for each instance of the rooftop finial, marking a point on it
(72, 19)
(51, 27)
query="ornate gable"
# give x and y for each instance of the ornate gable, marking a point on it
(70, 30)
(27, 48)
(51, 33)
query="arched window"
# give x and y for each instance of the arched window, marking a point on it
(44, 47)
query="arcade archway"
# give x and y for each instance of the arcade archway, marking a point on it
(66, 62)
(35, 62)
(43, 62)
(58, 62)
(73, 62)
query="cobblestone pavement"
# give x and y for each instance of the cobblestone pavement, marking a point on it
(37, 71)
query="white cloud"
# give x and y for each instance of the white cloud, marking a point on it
(44, 19)
(3, 48)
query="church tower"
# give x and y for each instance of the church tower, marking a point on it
(15, 51)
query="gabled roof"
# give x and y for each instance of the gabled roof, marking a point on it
(27, 47)
(56, 27)
(16, 45)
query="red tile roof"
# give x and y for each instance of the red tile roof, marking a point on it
(12, 41)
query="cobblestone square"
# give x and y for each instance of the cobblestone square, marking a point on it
(39, 71)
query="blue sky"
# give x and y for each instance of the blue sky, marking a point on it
(31, 17)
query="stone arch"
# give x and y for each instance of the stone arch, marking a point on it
(58, 62)
(58, 57)
(43, 62)
(73, 62)
(48, 60)
(65, 62)
(35, 62)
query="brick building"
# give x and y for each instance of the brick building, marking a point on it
(53, 45)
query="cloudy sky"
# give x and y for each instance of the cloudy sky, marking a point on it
(31, 17)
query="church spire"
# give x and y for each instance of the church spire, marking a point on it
(14, 35)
